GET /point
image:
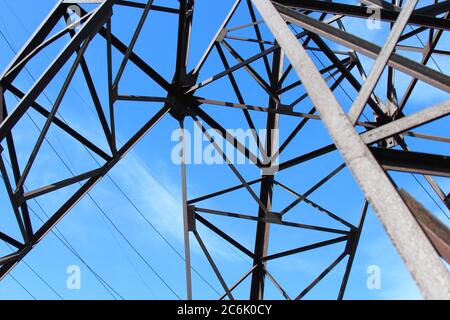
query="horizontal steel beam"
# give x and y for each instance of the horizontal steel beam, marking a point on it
(414, 162)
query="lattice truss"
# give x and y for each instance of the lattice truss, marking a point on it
(290, 67)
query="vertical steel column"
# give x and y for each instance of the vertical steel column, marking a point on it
(180, 78)
(263, 228)
(187, 247)
(184, 35)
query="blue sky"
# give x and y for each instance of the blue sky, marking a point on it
(151, 181)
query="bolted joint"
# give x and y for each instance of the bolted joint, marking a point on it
(221, 36)
(390, 142)
(19, 198)
(180, 102)
(351, 241)
(191, 215)
(273, 217)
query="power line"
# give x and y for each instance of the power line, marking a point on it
(39, 276)
(23, 287)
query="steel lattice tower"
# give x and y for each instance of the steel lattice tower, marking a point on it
(300, 31)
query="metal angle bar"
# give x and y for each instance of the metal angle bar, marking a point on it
(431, 181)
(243, 26)
(61, 124)
(330, 76)
(321, 276)
(258, 36)
(407, 123)
(416, 162)
(133, 41)
(218, 193)
(227, 136)
(36, 38)
(228, 162)
(183, 41)
(138, 61)
(380, 63)
(266, 187)
(223, 235)
(427, 54)
(9, 259)
(420, 49)
(253, 73)
(233, 68)
(277, 285)
(284, 110)
(52, 114)
(248, 40)
(95, 99)
(352, 252)
(434, 9)
(248, 61)
(313, 188)
(234, 286)
(296, 131)
(437, 189)
(219, 31)
(315, 205)
(382, 4)
(305, 44)
(26, 222)
(307, 156)
(273, 219)
(21, 64)
(437, 231)
(139, 5)
(10, 192)
(213, 265)
(111, 92)
(306, 119)
(427, 136)
(108, 166)
(374, 104)
(367, 48)
(345, 62)
(187, 248)
(11, 241)
(122, 97)
(412, 33)
(61, 184)
(305, 248)
(401, 226)
(240, 97)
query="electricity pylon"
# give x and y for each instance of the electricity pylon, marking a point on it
(289, 40)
